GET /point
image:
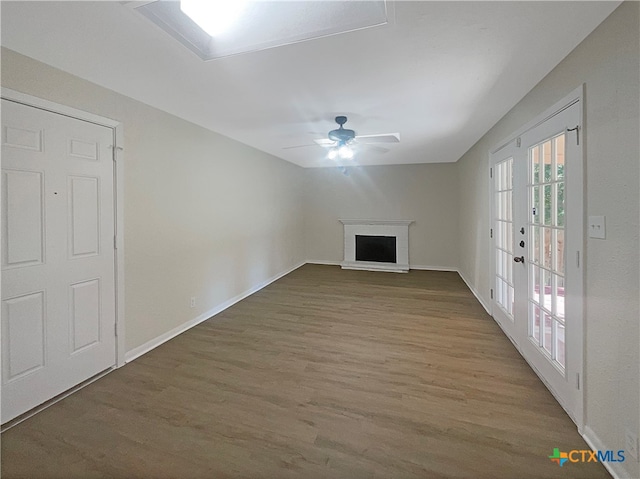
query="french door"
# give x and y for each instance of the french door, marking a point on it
(537, 231)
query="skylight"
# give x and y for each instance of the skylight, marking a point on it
(214, 16)
(220, 28)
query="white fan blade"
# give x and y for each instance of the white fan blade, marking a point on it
(381, 138)
(379, 149)
(326, 142)
(296, 146)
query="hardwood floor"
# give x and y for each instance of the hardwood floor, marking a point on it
(323, 374)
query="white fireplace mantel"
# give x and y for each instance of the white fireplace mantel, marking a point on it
(397, 228)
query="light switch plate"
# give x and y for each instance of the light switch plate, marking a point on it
(596, 227)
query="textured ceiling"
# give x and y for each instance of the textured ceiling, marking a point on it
(441, 73)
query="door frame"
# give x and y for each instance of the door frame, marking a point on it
(118, 195)
(575, 96)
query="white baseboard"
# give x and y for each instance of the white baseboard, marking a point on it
(475, 293)
(135, 353)
(326, 263)
(163, 338)
(375, 266)
(411, 266)
(616, 469)
(432, 268)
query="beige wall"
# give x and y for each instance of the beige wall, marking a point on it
(205, 216)
(424, 193)
(608, 63)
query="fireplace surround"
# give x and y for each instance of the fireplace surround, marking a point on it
(398, 229)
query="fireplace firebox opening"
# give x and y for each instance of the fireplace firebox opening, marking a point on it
(380, 249)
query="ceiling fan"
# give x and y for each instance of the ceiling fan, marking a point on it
(341, 141)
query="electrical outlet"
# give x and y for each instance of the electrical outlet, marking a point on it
(631, 443)
(193, 302)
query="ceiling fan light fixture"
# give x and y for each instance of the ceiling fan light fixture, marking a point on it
(333, 153)
(345, 152)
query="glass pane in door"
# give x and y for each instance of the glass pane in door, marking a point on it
(546, 261)
(503, 199)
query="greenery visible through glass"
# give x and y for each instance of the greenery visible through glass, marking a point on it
(560, 198)
(547, 196)
(546, 159)
(548, 202)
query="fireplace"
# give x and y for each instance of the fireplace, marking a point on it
(376, 245)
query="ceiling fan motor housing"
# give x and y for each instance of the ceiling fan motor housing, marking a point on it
(342, 135)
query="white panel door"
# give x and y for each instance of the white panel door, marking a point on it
(58, 283)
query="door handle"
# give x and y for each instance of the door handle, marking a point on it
(519, 259)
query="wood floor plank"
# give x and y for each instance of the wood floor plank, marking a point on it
(326, 373)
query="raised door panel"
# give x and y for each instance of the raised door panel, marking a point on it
(22, 138)
(84, 149)
(23, 319)
(84, 216)
(85, 314)
(23, 218)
